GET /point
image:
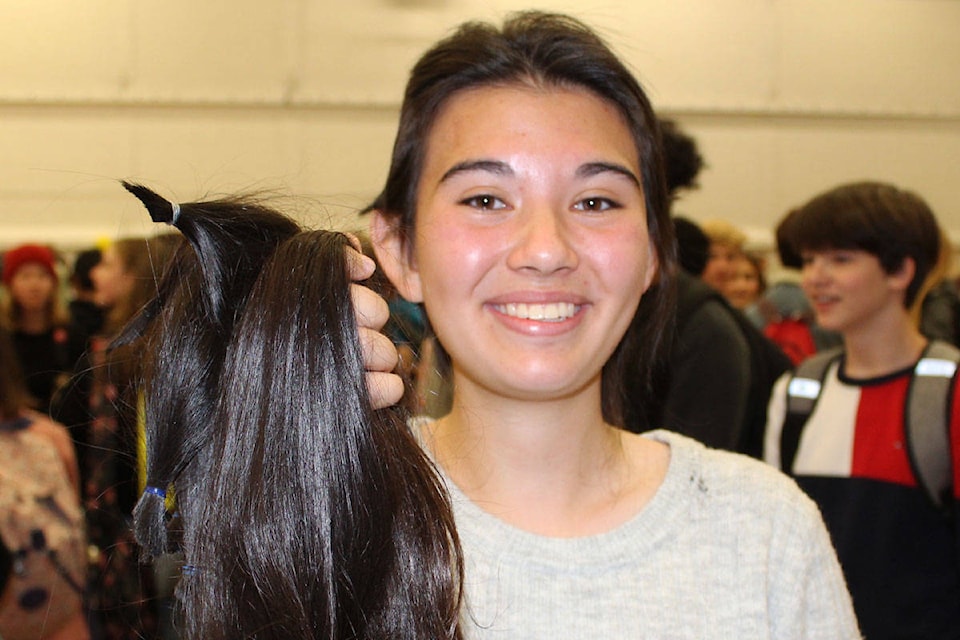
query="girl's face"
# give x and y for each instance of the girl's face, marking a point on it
(720, 264)
(531, 249)
(32, 287)
(743, 289)
(849, 289)
(110, 279)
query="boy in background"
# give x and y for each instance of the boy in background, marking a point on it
(866, 250)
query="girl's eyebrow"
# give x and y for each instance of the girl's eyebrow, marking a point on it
(594, 168)
(503, 169)
(491, 166)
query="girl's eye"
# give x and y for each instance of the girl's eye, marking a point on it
(596, 204)
(484, 202)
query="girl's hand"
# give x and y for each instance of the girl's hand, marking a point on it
(379, 353)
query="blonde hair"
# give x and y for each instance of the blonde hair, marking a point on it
(938, 273)
(722, 232)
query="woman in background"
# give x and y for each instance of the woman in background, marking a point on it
(34, 315)
(726, 245)
(748, 282)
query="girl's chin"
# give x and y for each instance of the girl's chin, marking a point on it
(534, 388)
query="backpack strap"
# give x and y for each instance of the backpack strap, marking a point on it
(927, 421)
(803, 391)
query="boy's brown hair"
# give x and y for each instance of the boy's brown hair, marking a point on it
(891, 223)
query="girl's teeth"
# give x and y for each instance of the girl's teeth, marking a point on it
(552, 312)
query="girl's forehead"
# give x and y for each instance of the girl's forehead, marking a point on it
(512, 121)
(474, 102)
(32, 266)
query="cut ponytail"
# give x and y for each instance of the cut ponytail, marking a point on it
(301, 511)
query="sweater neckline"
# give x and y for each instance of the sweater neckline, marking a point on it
(653, 525)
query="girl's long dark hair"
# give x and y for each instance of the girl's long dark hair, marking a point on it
(301, 511)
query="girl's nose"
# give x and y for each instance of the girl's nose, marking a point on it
(543, 243)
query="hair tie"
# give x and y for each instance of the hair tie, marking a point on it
(189, 570)
(157, 491)
(159, 208)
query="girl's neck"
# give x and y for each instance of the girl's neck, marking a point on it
(559, 428)
(553, 467)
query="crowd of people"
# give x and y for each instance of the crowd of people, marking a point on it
(639, 435)
(75, 381)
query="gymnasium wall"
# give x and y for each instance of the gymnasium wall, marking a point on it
(300, 97)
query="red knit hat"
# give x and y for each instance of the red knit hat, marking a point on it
(24, 254)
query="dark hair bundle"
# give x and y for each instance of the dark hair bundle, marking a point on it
(304, 512)
(197, 302)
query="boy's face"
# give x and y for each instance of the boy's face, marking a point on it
(850, 291)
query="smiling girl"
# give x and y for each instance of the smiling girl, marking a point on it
(525, 209)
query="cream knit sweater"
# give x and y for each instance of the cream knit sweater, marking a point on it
(728, 548)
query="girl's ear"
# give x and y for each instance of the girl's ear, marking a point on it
(653, 267)
(394, 255)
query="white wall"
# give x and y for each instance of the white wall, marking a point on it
(786, 97)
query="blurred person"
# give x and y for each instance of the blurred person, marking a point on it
(937, 308)
(748, 281)
(110, 436)
(34, 315)
(41, 522)
(86, 316)
(70, 405)
(693, 245)
(940, 312)
(785, 316)
(714, 382)
(682, 159)
(702, 382)
(726, 246)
